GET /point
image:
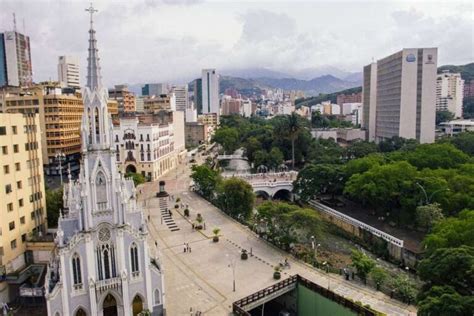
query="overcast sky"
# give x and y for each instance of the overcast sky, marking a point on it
(171, 40)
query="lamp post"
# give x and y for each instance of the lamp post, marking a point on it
(232, 264)
(428, 198)
(60, 157)
(315, 247)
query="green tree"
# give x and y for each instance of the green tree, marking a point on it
(362, 263)
(364, 164)
(383, 187)
(360, 149)
(464, 142)
(428, 215)
(379, 276)
(228, 138)
(319, 179)
(205, 180)
(252, 145)
(236, 197)
(137, 178)
(291, 127)
(274, 158)
(443, 116)
(452, 232)
(444, 300)
(54, 203)
(397, 143)
(404, 288)
(434, 156)
(450, 266)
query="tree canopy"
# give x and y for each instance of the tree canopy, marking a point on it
(236, 197)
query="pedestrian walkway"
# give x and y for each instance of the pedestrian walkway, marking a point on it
(169, 220)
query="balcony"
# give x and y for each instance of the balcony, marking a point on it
(112, 283)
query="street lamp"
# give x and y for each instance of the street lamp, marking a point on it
(428, 199)
(232, 264)
(315, 247)
(60, 157)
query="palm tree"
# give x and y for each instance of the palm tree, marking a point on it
(294, 128)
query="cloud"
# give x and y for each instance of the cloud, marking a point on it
(262, 25)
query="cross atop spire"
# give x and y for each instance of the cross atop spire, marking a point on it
(93, 68)
(91, 11)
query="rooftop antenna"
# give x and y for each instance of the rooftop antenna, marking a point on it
(14, 22)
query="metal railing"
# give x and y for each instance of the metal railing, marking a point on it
(387, 237)
(271, 184)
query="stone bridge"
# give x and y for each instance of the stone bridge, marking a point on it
(276, 185)
(230, 157)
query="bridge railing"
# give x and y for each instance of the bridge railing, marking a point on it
(271, 184)
(387, 237)
(262, 175)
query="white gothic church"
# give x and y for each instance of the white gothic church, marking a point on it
(101, 264)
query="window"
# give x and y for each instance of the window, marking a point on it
(23, 237)
(157, 297)
(17, 166)
(14, 130)
(13, 244)
(134, 259)
(22, 220)
(6, 169)
(3, 130)
(16, 148)
(76, 271)
(19, 185)
(11, 225)
(8, 188)
(20, 202)
(33, 215)
(5, 150)
(10, 207)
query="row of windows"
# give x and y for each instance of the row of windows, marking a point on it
(10, 205)
(3, 130)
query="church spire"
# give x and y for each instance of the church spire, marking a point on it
(93, 68)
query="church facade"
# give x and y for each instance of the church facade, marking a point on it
(102, 264)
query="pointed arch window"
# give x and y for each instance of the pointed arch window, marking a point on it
(97, 125)
(106, 262)
(76, 272)
(134, 259)
(157, 297)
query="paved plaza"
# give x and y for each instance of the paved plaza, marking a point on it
(202, 279)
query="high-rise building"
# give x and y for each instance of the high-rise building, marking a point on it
(159, 102)
(125, 99)
(68, 72)
(22, 194)
(231, 105)
(15, 60)
(210, 92)
(60, 111)
(469, 89)
(151, 89)
(102, 264)
(348, 98)
(399, 95)
(198, 95)
(450, 93)
(181, 97)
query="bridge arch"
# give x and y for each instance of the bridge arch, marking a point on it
(283, 194)
(264, 195)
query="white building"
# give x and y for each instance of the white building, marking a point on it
(101, 264)
(450, 93)
(191, 113)
(139, 104)
(149, 144)
(68, 71)
(181, 97)
(246, 108)
(399, 95)
(210, 92)
(457, 126)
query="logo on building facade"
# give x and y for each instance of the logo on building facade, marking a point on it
(429, 59)
(410, 58)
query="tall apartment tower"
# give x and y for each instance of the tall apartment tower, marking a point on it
(15, 59)
(68, 71)
(210, 92)
(450, 93)
(102, 264)
(403, 86)
(181, 97)
(198, 95)
(22, 194)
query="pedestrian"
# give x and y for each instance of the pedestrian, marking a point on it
(184, 249)
(169, 213)
(204, 225)
(189, 249)
(192, 226)
(251, 251)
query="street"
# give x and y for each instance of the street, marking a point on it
(202, 280)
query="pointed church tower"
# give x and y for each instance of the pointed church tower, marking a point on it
(101, 264)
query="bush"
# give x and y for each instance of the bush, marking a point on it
(404, 288)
